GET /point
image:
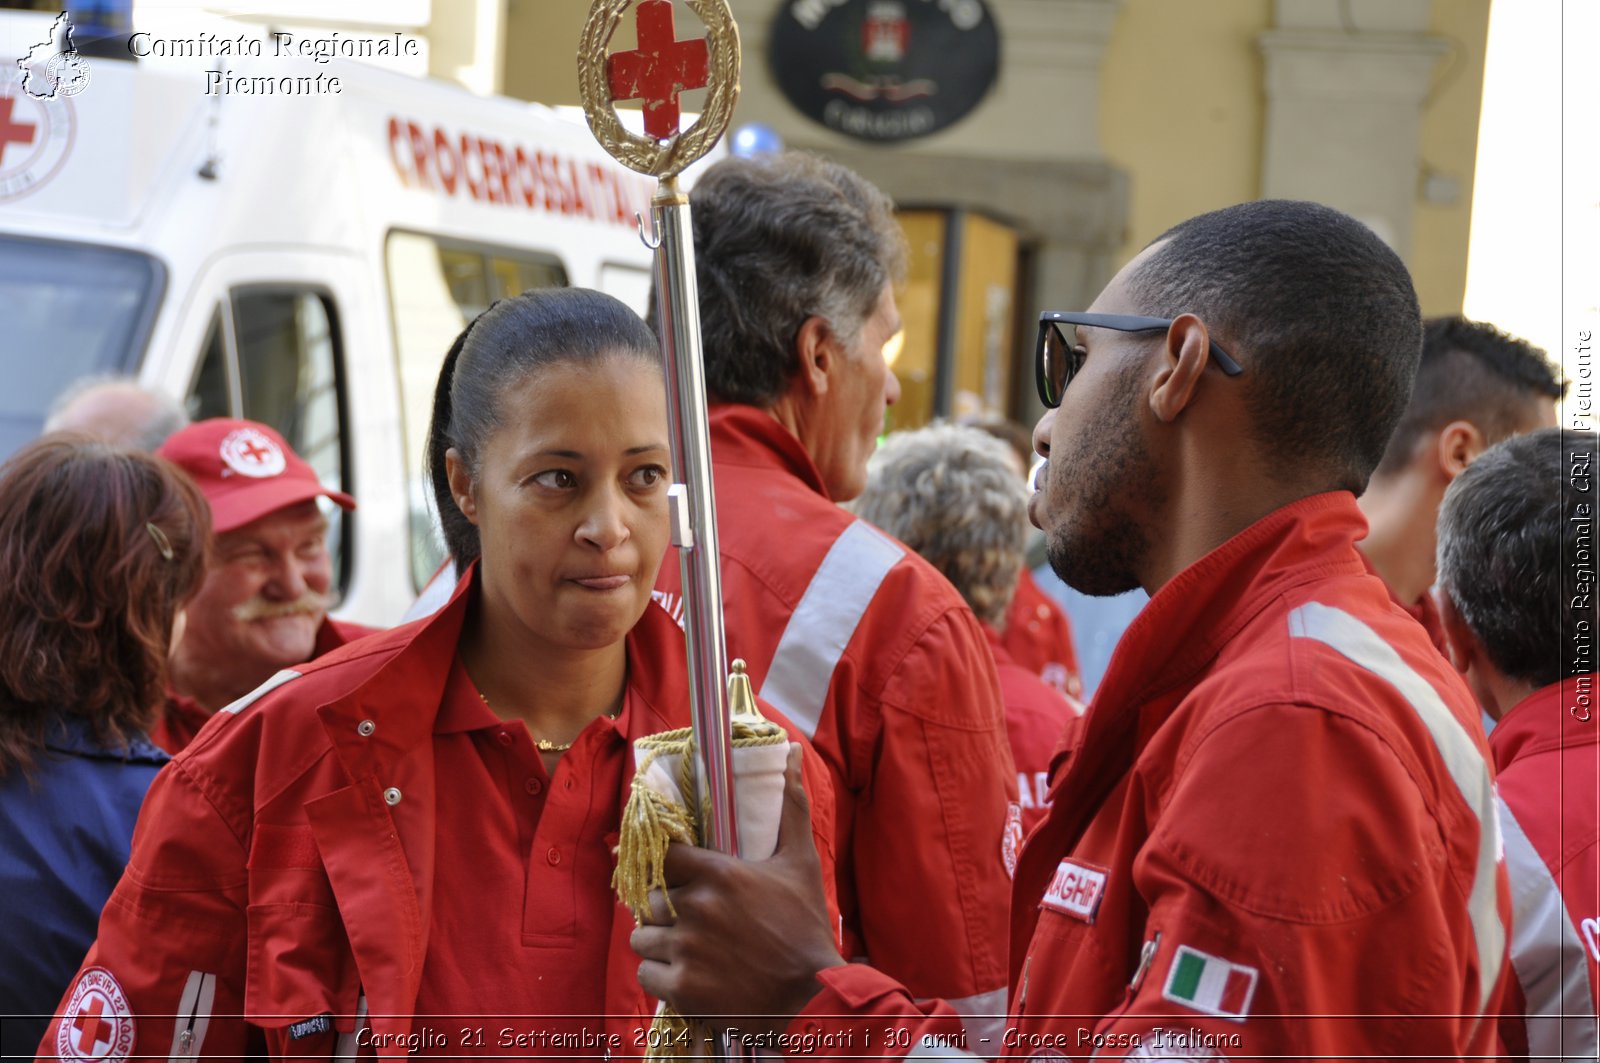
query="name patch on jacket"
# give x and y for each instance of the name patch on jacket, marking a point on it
(1209, 984)
(1076, 890)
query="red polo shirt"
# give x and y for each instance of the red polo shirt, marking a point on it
(523, 907)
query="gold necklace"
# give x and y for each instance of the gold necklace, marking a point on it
(544, 745)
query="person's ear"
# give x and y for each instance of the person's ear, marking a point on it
(1186, 349)
(1458, 445)
(818, 353)
(461, 485)
(1460, 642)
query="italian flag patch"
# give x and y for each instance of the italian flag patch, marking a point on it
(1209, 984)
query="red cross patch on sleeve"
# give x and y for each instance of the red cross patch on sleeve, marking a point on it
(97, 1025)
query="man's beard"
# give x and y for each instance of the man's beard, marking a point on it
(1097, 545)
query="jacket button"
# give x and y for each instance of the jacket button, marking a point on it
(365, 728)
(533, 786)
(554, 856)
(391, 796)
(504, 738)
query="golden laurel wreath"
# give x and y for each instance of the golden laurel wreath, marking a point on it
(666, 158)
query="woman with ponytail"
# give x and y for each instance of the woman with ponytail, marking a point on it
(406, 846)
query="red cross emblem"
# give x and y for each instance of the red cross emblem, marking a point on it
(659, 70)
(92, 1031)
(24, 132)
(250, 453)
(96, 1026)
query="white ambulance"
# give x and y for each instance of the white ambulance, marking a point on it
(302, 259)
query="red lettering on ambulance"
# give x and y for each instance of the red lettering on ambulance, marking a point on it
(419, 155)
(504, 176)
(442, 150)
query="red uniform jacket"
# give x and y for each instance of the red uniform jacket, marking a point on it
(1038, 636)
(1424, 611)
(282, 865)
(1547, 753)
(1277, 836)
(1036, 723)
(869, 650)
(183, 717)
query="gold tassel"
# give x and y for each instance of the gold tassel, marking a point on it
(650, 822)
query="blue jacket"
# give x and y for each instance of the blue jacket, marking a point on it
(64, 840)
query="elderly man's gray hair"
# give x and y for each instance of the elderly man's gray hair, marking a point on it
(117, 409)
(953, 495)
(780, 239)
(1517, 553)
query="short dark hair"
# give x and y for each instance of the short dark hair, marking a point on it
(780, 239)
(501, 346)
(1318, 309)
(1515, 528)
(1470, 371)
(99, 547)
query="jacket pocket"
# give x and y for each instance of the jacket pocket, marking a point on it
(299, 965)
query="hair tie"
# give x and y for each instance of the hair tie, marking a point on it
(159, 537)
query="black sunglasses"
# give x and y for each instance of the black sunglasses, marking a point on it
(1056, 361)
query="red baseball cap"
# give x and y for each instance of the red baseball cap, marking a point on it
(245, 470)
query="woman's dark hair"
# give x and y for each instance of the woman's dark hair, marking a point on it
(99, 546)
(495, 352)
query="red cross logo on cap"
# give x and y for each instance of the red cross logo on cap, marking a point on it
(659, 70)
(249, 452)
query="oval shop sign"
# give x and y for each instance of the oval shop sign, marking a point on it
(885, 70)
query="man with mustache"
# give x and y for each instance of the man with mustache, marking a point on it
(264, 603)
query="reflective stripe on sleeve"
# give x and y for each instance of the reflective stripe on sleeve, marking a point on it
(193, 1016)
(983, 1015)
(346, 1045)
(825, 620)
(1361, 645)
(1551, 963)
(277, 680)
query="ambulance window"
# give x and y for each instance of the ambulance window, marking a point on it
(435, 287)
(463, 272)
(513, 276)
(210, 394)
(67, 311)
(628, 283)
(291, 376)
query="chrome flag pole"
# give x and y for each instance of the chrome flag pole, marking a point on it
(657, 71)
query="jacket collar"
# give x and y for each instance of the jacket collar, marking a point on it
(997, 646)
(74, 734)
(1543, 721)
(746, 435)
(1203, 607)
(1190, 619)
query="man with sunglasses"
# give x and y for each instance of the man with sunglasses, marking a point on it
(1274, 833)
